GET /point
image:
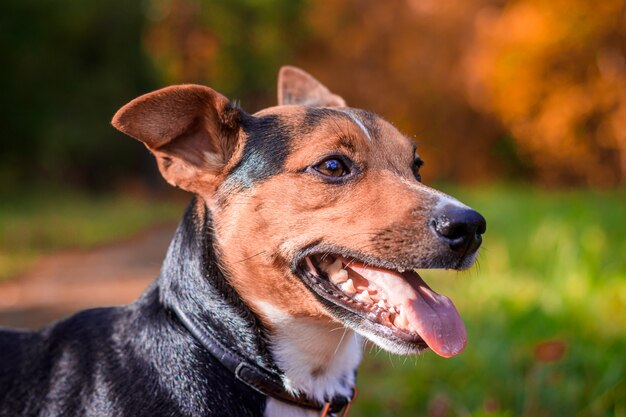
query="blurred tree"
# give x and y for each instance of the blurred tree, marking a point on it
(401, 59)
(554, 72)
(463, 74)
(384, 56)
(236, 46)
(491, 89)
(67, 67)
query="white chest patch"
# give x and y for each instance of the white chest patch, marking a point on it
(275, 408)
(318, 359)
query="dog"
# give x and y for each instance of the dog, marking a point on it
(306, 217)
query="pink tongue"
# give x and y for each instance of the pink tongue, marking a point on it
(431, 315)
(436, 320)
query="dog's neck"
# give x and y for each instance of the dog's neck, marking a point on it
(192, 280)
(316, 360)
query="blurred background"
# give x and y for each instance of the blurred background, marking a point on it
(518, 108)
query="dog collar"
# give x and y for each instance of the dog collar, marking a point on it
(259, 378)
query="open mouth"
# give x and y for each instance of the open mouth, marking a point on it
(398, 303)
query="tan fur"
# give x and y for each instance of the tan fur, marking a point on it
(298, 87)
(187, 128)
(292, 210)
(189, 131)
(382, 212)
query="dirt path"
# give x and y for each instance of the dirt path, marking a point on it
(65, 282)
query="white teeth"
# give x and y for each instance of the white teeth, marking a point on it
(401, 270)
(364, 297)
(335, 271)
(334, 267)
(348, 287)
(393, 310)
(381, 304)
(338, 277)
(400, 321)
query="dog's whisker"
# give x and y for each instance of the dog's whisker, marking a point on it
(362, 234)
(345, 330)
(337, 329)
(250, 257)
(298, 229)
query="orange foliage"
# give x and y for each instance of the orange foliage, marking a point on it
(531, 88)
(402, 59)
(182, 47)
(554, 73)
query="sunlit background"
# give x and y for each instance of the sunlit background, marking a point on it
(518, 108)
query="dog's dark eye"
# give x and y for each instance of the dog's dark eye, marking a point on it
(417, 164)
(332, 167)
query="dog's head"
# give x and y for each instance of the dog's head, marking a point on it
(319, 211)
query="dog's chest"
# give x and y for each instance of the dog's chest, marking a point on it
(317, 359)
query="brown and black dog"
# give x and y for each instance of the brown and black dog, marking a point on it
(307, 217)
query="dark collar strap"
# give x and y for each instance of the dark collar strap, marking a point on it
(259, 378)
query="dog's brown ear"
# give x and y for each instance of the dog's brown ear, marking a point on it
(192, 131)
(296, 86)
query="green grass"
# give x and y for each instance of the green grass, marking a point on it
(553, 269)
(46, 220)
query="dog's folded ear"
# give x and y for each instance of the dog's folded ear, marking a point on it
(296, 86)
(192, 130)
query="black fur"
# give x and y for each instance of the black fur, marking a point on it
(369, 121)
(264, 153)
(316, 116)
(138, 360)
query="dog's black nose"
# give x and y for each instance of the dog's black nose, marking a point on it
(460, 227)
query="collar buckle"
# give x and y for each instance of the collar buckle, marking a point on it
(327, 411)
